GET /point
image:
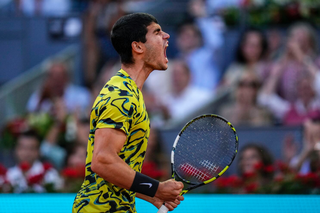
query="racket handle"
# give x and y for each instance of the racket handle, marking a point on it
(163, 209)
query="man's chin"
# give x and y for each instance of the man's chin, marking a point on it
(162, 68)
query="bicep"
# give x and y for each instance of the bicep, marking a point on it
(106, 161)
(108, 142)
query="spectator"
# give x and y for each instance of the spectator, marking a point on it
(300, 54)
(30, 174)
(198, 44)
(307, 100)
(255, 166)
(66, 131)
(57, 85)
(309, 158)
(244, 109)
(249, 58)
(185, 98)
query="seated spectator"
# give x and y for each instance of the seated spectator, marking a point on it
(308, 160)
(65, 131)
(186, 98)
(300, 55)
(255, 167)
(243, 108)
(30, 174)
(249, 58)
(307, 100)
(57, 85)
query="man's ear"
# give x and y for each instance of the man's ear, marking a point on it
(137, 47)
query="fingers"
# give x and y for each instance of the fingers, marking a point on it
(178, 188)
(180, 198)
(171, 205)
(169, 190)
(179, 185)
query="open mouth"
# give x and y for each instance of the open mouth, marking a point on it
(165, 52)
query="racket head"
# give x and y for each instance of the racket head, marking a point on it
(203, 150)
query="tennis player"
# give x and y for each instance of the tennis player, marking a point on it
(119, 127)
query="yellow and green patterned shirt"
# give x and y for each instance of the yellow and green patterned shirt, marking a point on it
(119, 105)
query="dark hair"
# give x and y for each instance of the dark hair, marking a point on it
(29, 133)
(191, 25)
(264, 44)
(127, 29)
(266, 157)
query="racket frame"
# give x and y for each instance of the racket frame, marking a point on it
(194, 185)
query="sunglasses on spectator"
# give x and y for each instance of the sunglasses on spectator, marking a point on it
(252, 84)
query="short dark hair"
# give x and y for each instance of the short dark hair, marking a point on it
(29, 133)
(127, 29)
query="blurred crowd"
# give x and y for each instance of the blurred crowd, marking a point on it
(274, 79)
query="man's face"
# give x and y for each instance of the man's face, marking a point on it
(156, 46)
(27, 149)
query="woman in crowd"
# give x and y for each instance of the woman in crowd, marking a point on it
(249, 58)
(306, 102)
(300, 55)
(255, 166)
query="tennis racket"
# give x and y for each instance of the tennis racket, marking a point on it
(203, 150)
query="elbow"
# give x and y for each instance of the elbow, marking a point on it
(95, 166)
(100, 163)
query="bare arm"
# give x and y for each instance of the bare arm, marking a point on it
(108, 165)
(311, 132)
(105, 160)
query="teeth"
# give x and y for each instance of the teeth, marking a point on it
(167, 45)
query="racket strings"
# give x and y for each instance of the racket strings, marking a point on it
(204, 149)
(193, 171)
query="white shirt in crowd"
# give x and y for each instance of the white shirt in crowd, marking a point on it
(18, 179)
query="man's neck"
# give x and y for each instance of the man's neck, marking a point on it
(138, 73)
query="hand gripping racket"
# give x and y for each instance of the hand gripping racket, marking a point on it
(204, 149)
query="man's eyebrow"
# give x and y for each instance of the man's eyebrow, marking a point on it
(157, 30)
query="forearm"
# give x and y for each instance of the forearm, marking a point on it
(146, 198)
(114, 170)
(301, 159)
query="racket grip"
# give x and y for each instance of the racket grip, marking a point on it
(163, 209)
